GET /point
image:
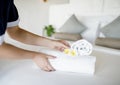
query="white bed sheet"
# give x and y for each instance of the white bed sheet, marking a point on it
(107, 71)
(23, 73)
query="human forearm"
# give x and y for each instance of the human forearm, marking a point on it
(27, 37)
(32, 39)
(10, 52)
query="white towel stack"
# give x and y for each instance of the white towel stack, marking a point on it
(83, 64)
(80, 64)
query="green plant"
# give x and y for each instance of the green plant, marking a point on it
(49, 30)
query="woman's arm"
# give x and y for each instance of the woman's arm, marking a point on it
(30, 38)
(8, 51)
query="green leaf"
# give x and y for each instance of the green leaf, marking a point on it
(50, 30)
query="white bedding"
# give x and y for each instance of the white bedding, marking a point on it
(22, 72)
(66, 63)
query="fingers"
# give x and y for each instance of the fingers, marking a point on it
(50, 57)
(65, 43)
(47, 67)
(60, 48)
(43, 63)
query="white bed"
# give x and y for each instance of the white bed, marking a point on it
(23, 72)
(107, 71)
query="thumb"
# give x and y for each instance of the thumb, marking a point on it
(50, 57)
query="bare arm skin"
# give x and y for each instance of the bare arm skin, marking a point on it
(8, 51)
(29, 38)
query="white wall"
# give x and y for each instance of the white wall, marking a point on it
(91, 13)
(97, 6)
(34, 14)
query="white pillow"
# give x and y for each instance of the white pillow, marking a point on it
(72, 25)
(112, 30)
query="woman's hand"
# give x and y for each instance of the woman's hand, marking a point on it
(42, 61)
(58, 45)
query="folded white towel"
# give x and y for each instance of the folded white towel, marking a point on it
(64, 62)
(82, 62)
(82, 47)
